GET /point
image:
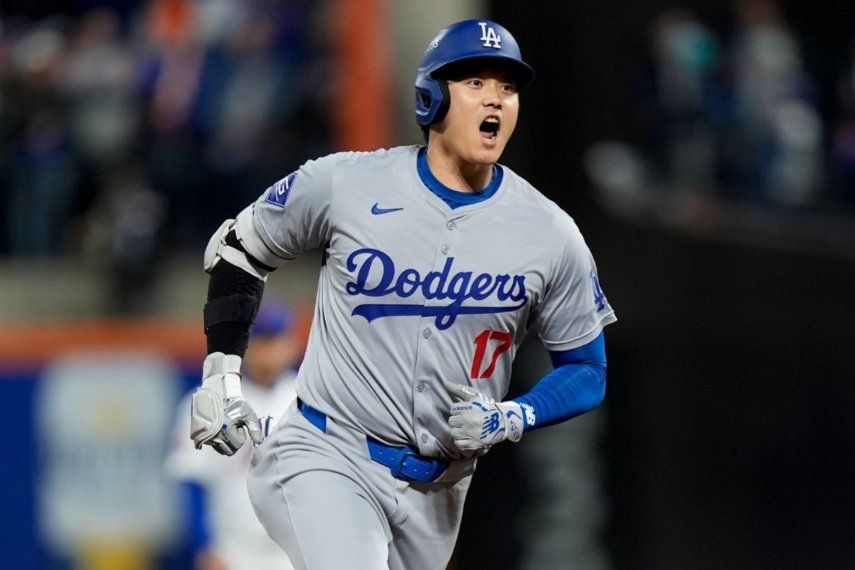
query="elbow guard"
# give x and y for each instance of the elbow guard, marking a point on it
(234, 291)
(226, 244)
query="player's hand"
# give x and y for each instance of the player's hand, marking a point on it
(219, 414)
(478, 422)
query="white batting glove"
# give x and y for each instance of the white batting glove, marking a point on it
(219, 414)
(479, 422)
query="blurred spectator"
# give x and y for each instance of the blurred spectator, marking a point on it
(124, 229)
(685, 59)
(774, 141)
(222, 526)
(172, 86)
(98, 84)
(42, 173)
(262, 87)
(736, 118)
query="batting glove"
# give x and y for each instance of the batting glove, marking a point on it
(478, 422)
(219, 414)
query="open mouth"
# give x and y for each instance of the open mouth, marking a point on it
(490, 128)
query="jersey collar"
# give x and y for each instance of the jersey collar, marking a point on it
(455, 198)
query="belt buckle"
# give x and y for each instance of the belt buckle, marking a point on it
(398, 465)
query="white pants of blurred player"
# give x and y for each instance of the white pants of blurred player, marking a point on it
(238, 539)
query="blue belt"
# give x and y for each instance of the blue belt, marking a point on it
(404, 462)
(316, 417)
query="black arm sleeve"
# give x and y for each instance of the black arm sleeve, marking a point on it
(233, 300)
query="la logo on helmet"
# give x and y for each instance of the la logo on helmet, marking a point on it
(489, 37)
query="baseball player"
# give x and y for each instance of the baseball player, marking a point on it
(224, 532)
(436, 263)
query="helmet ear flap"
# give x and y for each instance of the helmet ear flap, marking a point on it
(430, 97)
(444, 101)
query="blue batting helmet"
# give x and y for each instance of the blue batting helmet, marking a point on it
(274, 318)
(466, 40)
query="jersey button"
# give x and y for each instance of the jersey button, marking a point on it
(444, 249)
(427, 333)
(451, 224)
(422, 386)
(424, 438)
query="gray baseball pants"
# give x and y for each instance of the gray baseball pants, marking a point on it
(329, 506)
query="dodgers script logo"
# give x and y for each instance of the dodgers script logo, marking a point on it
(456, 287)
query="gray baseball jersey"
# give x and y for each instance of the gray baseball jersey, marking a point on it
(412, 291)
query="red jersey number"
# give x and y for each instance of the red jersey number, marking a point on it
(481, 344)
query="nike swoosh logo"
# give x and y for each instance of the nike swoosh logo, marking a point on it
(377, 210)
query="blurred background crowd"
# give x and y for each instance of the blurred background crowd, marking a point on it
(125, 126)
(738, 113)
(130, 126)
(735, 105)
(706, 150)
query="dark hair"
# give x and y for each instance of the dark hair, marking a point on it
(425, 132)
(462, 69)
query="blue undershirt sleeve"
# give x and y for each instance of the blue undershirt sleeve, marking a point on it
(575, 386)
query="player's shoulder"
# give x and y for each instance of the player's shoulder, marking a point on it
(322, 172)
(528, 202)
(362, 159)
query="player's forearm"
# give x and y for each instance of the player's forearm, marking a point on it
(236, 285)
(576, 385)
(566, 392)
(233, 300)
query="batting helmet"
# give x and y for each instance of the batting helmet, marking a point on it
(274, 318)
(466, 40)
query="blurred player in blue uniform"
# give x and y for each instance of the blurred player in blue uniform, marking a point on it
(223, 529)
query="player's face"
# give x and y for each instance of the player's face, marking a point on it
(267, 357)
(482, 115)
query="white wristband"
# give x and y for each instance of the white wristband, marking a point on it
(223, 371)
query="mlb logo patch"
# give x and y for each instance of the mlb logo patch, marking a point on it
(278, 193)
